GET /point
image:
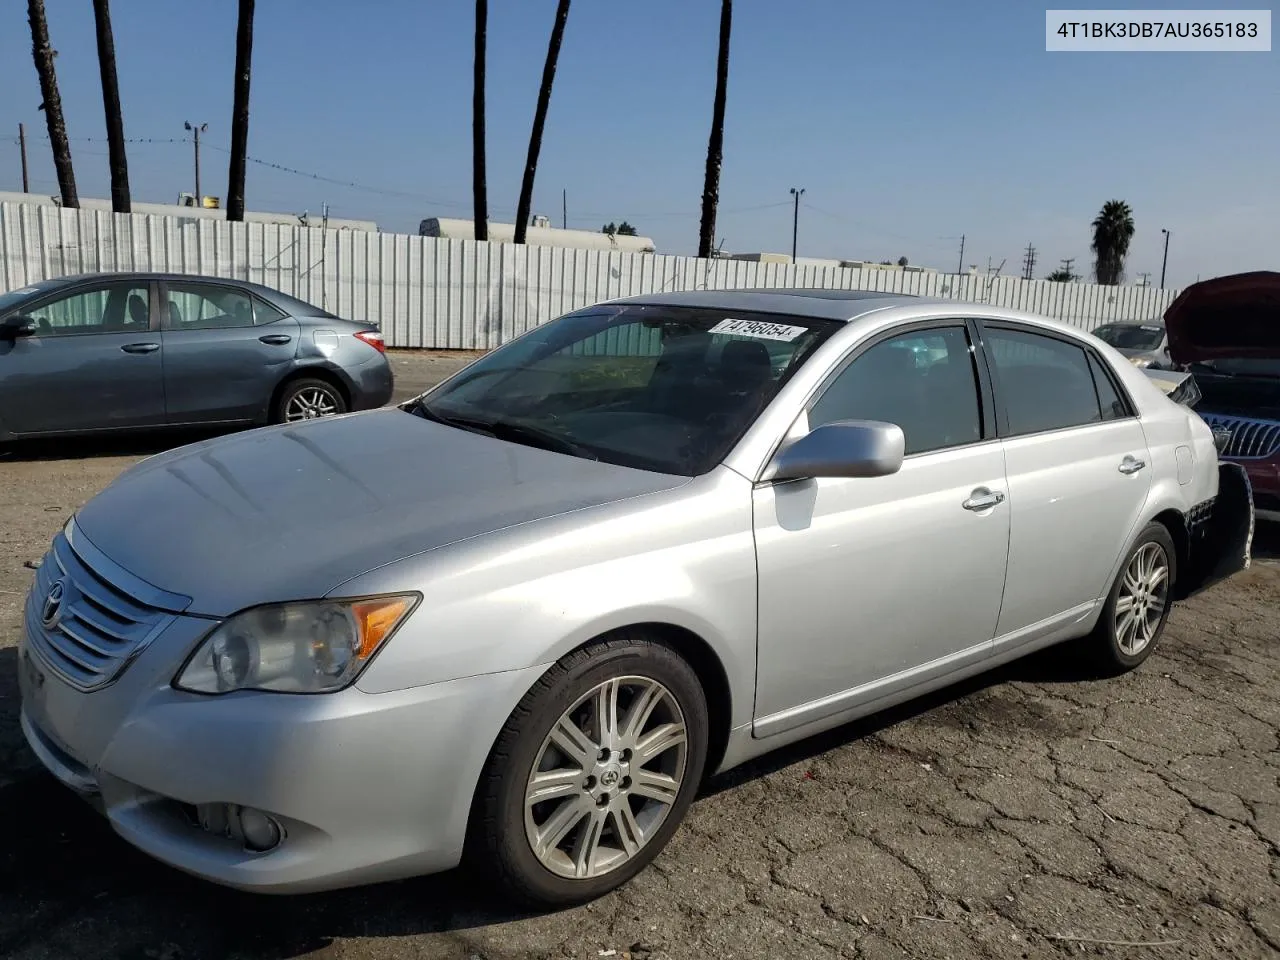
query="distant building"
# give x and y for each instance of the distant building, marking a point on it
(188, 209)
(540, 234)
(821, 262)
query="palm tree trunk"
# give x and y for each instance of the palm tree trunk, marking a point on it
(540, 120)
(479, 184)
(42, 52)
(715, 145)
(240, 112)
(111, 105)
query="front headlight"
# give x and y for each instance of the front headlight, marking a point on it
(313, 647)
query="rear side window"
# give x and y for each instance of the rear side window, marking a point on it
(1046, 383)
(204, 306)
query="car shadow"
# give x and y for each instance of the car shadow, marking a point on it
(132, 444)
(63, 861)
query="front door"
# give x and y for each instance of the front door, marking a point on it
(94, 362)
(225, 351)
(871, 586)
(1077, 463)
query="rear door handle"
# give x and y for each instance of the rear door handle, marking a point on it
(983, 499)
(1131, 465)
(140, 347)
(276, 338)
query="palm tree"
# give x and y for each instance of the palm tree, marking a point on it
(1112, 231)
(540, 119)
(715, 145)
(479, 187)
(43, 53)
(111, 105)
(240, 112)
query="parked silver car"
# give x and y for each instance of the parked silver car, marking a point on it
(1143, 344)
(125, 351)
(520, 618)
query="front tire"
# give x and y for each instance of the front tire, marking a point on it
(1138, 606)
(592, 773)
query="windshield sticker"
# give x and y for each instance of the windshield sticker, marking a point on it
(758, 328)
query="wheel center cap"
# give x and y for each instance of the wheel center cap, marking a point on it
(610, 776)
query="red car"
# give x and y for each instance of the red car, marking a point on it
(1226, 333)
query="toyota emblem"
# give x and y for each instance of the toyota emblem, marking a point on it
(52, 605)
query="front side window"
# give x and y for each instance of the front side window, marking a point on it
(662, 388)
(1045, 383)
(200, 306)
(922, 381)
(108, 308)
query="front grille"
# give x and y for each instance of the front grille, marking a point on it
(1250, 439)
(98, 627)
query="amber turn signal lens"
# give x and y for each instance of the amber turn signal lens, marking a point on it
(375, 620)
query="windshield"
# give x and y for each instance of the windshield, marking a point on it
(15, 298)
(669, 389)
(1131, 336)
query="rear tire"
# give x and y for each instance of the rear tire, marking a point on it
(308, 398)
(613, 793)
(1138, 606)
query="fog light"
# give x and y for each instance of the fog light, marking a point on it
(256, 830)
(260, 832)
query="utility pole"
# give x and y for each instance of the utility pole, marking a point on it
(1029, 262)
(22, 148)
(960, 268)
(564, 208)
(1066, 265)
(795, 221)
(1165, 263)
(195, 132)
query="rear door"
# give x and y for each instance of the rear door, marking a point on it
(95, 362)
(1076, 459)
(225, 350)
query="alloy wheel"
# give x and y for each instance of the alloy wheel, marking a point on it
(309, 404)
(605, 777)
(1141, 602)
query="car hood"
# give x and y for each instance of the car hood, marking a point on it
(1236, 316)
(291, 512)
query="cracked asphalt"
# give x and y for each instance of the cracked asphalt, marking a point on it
(1034, 812)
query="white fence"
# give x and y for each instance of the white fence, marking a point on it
(458, 294)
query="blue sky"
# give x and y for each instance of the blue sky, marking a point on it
(907, 123)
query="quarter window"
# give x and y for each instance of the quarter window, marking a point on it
(200, 306)
(1113, 407)
(1045, 383)
(924, 382)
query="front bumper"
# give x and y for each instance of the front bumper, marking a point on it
(367, 787)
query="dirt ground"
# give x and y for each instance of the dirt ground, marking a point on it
(1034, 813)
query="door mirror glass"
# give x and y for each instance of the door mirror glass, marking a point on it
(17, 326)
(844, 448)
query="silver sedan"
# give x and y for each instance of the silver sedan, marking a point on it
(520, 619)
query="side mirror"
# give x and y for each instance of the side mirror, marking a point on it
(17, 326)
(845, 448)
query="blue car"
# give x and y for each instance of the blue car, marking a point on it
(124, 351)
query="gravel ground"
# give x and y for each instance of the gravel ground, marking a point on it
(1033, 813)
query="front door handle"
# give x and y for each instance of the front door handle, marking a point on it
(1131, 465)
(276, 338)
(983, 499)
(140, 347)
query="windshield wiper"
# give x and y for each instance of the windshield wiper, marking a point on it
(507, 430)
